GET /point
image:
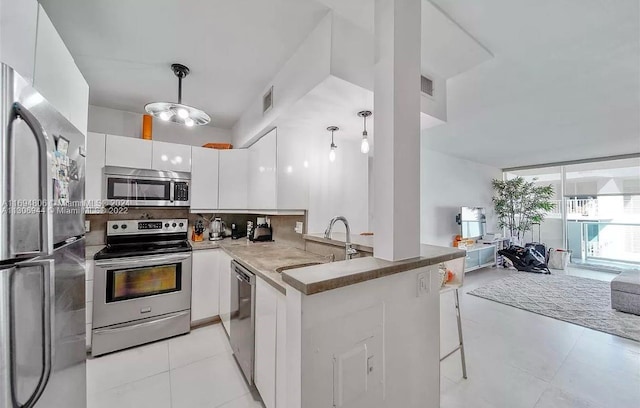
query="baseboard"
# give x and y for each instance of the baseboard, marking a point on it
(205, 322)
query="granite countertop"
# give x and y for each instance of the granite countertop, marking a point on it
(263, 259)
(359, 242)
(321, 278)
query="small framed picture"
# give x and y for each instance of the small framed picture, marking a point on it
(62, 145)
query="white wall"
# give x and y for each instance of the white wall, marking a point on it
(400, 331)
(338, 188)
(446, 184)
(122, 123)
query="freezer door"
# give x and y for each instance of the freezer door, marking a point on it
(42, 331)
(25, 173)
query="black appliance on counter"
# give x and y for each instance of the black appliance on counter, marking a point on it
(261, 233)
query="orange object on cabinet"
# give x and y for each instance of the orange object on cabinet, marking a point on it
(147, 127)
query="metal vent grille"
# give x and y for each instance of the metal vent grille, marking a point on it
(426, 85)
(267, 101)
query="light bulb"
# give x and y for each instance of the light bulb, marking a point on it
(306, 164)
(364, 147)
(332, 155)
(166, 115)
(189, 122)
(183, 113)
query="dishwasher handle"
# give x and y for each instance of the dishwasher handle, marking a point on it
(242, 274)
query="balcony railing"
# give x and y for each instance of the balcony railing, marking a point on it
(604, 242)
(577, 208)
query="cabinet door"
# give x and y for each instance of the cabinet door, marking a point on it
(471, 260)
(171, 157)
(262, 173)
(225, 291)
(204, 178)
(266, 327)
(292, 168)
(233, 179)
(487, 255)
(57, 77)
(128, 152)
(18, 28)
(205, 284)
(281, 352)
(96, 144)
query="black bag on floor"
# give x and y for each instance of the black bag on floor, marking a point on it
(525, 259)
(538, 246)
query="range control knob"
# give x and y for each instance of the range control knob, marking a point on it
(115, 226)
(173, 225)
(123, 226)
(166, 225)
(181, 224)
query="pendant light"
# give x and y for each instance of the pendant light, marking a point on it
(178, 112)
(364, 146)
(332, 152)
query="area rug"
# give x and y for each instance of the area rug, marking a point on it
(582, 301)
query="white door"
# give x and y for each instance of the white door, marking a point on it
(225, 291)
(171, 157)
(233, 179)
(204, 179)
(265, 333)
(263, 173)
(205, 284)
(128, 152)
(96, 145)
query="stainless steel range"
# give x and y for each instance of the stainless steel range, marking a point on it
(142, 284)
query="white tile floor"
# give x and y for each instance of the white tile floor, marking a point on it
(196, 370)
(514, 358)
(519, 359)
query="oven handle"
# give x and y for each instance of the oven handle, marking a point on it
(127, 327)
(142, 261)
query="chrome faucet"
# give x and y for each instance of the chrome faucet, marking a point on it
(349, 251)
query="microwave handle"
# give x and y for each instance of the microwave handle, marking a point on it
(172, 189)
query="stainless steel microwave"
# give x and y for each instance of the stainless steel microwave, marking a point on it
(123, 186)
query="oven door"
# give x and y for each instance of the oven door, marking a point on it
(128, 289)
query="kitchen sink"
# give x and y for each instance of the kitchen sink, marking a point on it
(302, 265)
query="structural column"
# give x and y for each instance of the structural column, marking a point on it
(396, 167)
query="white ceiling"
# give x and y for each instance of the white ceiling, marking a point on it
(124, 48)
(564, 83)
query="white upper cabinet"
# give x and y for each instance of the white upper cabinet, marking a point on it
(96, 145)
(128, 152)
(18, 28)
(171, 157)
(293, 170)
(56, 75)
(263, 173)
(233, 179)
(204, 178)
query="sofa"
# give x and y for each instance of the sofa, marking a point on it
(625, 292)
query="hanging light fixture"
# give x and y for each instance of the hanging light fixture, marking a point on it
(364, 146)
(177, 112)
(332, 152)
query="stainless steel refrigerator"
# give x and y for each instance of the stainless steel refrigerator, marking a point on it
(42, 273)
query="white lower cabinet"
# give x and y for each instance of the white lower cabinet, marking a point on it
(224, 262)
(270, 353)
(205, 284)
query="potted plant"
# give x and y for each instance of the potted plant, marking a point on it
(519, 204)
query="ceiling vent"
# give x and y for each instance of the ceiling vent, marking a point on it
(267, 101)
(426, 85)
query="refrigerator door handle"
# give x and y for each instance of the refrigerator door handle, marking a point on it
(20, 112)
(48, 278)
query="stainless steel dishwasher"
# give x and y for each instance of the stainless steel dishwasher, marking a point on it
(243, 294)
